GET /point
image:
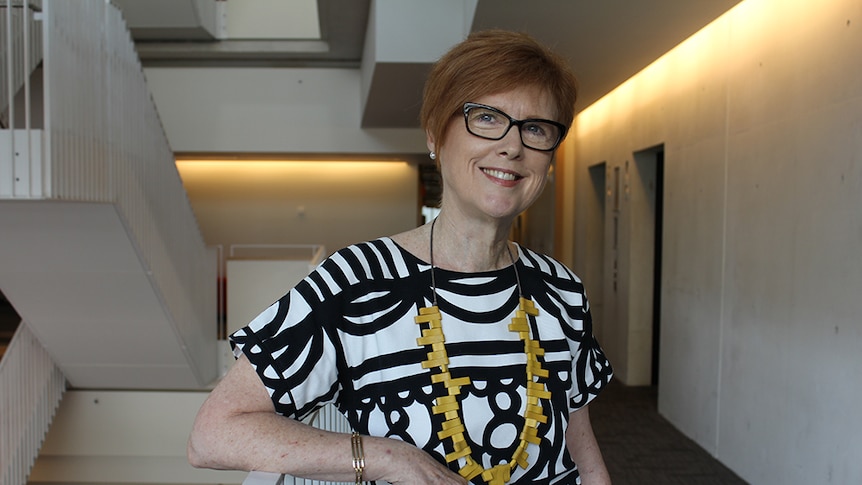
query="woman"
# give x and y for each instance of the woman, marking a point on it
(455, 354)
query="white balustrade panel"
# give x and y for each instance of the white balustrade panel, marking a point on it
(31, 387)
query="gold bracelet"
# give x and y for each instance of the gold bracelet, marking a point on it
(358, 456)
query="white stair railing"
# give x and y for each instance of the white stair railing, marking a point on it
(21, 37)
(20, 54)
(100, 140)
(31, 387)
(104, 142)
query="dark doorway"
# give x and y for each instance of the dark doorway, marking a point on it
(594, 264)
(649, 166)
(656, 289)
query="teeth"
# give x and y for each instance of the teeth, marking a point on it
(499, 174)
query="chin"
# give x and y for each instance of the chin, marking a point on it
(503, 214)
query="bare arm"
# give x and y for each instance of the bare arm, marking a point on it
(237, 429)
(582, 446)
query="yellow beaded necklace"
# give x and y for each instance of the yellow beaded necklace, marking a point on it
(453, 427)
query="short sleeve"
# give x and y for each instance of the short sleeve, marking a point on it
(591, 370)
(292, 352)
(558, 289)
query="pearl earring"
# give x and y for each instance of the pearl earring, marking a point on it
(433, 156)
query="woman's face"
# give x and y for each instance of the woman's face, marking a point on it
(494, 179)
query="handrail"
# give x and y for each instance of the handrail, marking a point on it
(276, 252)
(317, 250)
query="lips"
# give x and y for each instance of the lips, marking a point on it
(499, 174)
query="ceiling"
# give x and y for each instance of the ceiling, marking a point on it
(607, 42)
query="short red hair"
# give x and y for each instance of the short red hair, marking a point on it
(490, 62)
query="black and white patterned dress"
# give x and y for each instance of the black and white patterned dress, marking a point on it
(346, 335)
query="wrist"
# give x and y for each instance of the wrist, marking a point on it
(358, 450)
(395, 453)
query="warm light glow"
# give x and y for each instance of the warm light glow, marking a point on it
(253, 165)
(226, 176)
(296, 168)
(670, 73)
(328, 203)
(281, 165)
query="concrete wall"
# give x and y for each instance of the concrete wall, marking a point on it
(333, 204)
(270, 110)
(760, 117)
(256, 284)
(291, 112)
(90, 440)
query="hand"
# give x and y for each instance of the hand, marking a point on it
(405, 464)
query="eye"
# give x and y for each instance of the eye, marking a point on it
(486, 117)
(536, 130)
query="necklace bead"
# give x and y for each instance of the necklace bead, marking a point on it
(453, 427)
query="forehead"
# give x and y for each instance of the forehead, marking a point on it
(521, 103)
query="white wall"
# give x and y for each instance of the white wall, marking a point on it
(761, 118)
(293, 112)
(417, 30)
(270, 110)
(324, 203)
(254, 285)
(89, 440)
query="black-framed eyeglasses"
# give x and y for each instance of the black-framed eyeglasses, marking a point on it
(492, 124)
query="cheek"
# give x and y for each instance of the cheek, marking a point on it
(543, 173)
(539, 188)
(541, 180)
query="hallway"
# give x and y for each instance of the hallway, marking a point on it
(640, 446)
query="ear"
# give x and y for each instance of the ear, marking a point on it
(429, 141)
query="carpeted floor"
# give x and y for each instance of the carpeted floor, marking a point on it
(641, 447)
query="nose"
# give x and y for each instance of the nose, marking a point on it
(511, 146)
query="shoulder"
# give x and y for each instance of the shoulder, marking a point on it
(371, 259)
(546, 265)
(548, 277)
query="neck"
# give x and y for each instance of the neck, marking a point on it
(469, 247)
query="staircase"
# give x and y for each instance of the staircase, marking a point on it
(100, 246)
(106, 281)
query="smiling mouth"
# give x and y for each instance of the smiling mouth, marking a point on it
(501, 175)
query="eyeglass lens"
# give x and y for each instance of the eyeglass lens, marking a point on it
(493, 124)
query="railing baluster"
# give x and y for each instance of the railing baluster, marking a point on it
(32, 387)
